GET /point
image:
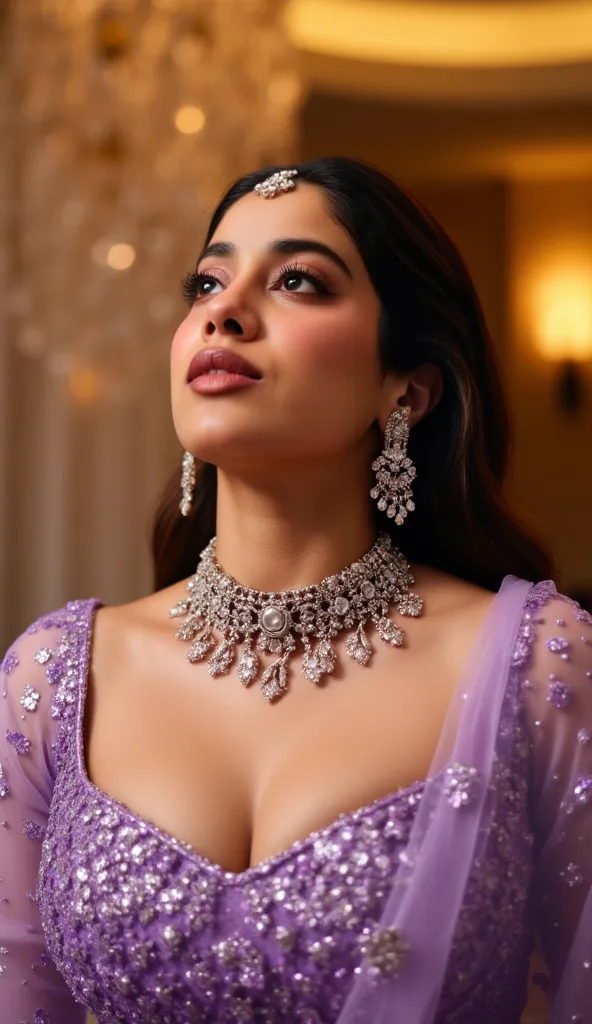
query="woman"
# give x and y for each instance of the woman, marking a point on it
(378, 830)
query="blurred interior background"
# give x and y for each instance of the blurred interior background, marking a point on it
(122, 121)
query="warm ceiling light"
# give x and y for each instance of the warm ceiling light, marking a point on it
(121, 256)
(189, 119)
(440, 34)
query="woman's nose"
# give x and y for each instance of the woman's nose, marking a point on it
(227, 317)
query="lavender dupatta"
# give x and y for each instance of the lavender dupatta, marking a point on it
(431, 884)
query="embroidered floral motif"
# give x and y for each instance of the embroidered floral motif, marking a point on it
(43, 656)
(30, 698)
(20, 743)
(556, 644)
(583, 790)
(559, 695)
(33, 831)
(572, 875)
(9, 663)
(461, 785)
(384, 950)
(54, 672)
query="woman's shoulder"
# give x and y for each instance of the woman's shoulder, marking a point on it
(53, 631)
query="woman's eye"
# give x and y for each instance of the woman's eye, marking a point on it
(206, 285)
(302, 282)
(293, 283)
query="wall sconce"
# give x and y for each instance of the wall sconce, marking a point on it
(563, 333)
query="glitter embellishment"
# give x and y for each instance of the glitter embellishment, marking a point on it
(281, 181)
(3, 783)
(384, 950)
(583, 616)
(20, 743)
(572, 875)
(30, 698)
(559, 695)
(33, 831)
(557, 644)
(43, 656)
(584, 736)
(41, 1017)
(461, 785)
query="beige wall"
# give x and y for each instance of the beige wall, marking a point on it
(552, 471)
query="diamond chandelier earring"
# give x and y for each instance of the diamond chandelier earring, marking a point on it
(394, 469)
(187, 483)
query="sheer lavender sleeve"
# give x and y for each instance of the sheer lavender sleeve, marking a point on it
(31, 989)
(558, 700)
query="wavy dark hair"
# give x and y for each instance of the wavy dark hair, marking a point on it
(430, 313)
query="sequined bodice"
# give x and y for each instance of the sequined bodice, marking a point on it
(419, 907)
(181, 939)
(146, 930)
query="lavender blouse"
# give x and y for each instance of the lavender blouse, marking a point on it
(420, 907)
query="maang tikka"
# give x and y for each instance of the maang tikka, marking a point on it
(394, 469)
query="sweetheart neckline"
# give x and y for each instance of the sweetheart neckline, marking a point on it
(263, 867)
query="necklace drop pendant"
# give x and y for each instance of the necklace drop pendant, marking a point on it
(323, 662)
(180, 608)
(189, 629)
(410, 604)
(248, 667)
(274, 681)
(222, 658)
(390, 633)
(358, 647)
(200, 647)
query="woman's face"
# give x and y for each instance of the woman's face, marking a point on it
(306, 319)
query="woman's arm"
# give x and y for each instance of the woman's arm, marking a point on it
(558, 700)
(31, 989)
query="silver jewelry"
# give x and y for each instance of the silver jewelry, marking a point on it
(281, 181)
(395, 470)
(187, 483)
(362, 591)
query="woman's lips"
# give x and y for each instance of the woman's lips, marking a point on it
(215, 383)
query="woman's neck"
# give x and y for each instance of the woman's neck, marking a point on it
(290, 533)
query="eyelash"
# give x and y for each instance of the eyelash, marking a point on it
(190, 284)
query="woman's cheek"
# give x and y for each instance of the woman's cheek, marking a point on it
(337, 348)
(181, 345)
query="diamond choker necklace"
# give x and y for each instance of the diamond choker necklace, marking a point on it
(273, 622)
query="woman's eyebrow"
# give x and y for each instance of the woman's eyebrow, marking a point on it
(282, 246)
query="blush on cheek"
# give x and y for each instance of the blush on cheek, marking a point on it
(340, 347)
(181, 345)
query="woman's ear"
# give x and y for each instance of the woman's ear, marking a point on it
(424, 390)
(420, 391)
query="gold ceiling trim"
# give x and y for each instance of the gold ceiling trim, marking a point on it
(445, 35)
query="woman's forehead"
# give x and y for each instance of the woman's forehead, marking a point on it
(254, 221)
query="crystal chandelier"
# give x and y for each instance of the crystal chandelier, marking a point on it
(127, 120)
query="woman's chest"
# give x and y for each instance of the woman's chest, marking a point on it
(213, 764)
